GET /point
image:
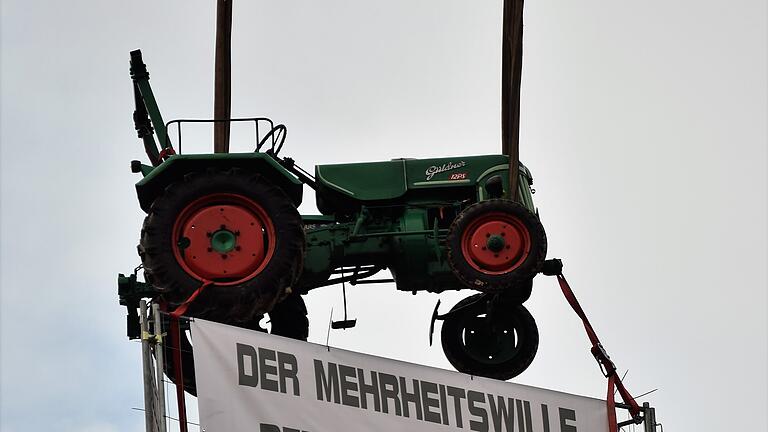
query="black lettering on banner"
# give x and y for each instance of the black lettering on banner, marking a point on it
(414, 397)
(427, 389)
(267, 369)
(545, 417)
(565, 416)
(247, 353)
(500, 414)
(524, 420)
(348, 387)
(474, 398)
(284, 360)
(457, 394)
(528, 417)
(443, 404)
(266, 427)
(389, 390)
(371, 389)
(326, 385)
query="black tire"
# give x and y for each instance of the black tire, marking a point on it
(523, 264)
(519, 295)
(478, 347)
(288, 319)
(228, 301)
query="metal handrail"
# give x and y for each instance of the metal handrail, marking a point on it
(255, 120)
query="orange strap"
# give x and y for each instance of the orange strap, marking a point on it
(176, 336)
(179, 311)
(606, 364)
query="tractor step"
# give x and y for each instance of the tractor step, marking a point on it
(343, 324)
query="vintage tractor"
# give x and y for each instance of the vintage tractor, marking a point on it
(229, 222)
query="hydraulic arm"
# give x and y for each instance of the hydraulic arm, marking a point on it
(146, 110)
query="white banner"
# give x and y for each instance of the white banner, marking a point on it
(255, 382)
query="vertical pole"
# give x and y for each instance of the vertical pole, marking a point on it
(223, 73)
(175, 333)
(159, 353)
(650, 418)
(146, 363)
(511, 78)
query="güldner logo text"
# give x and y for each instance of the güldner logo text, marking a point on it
(437, 169)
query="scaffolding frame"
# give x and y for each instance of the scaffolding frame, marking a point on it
(154, 389)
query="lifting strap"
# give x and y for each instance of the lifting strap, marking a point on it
(179, 311)
(606, 364)
(176, 337)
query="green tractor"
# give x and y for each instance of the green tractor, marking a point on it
(230, 222)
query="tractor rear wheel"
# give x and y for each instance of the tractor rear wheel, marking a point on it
(231, 228)
(496, 245)
(287, 319)
(498, 345)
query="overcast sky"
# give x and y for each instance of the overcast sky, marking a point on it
(644, 124)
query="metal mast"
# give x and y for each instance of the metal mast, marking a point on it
(511, 77)
(222, 104)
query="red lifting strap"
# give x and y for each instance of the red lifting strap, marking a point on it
(606, 365)
(179, 311)
(176, 335)
(166, 153)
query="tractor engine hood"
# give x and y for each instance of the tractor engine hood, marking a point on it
(381, 181)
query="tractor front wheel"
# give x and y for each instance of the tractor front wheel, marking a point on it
(232, 230)
(496, 342)
(496, 245)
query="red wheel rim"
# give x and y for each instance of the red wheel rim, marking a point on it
(226, 238)
(496, 243)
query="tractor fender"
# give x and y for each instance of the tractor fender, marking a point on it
(177, 166)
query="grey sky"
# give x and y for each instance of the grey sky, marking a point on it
(644, 124)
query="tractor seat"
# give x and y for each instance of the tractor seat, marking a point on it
(369, 181)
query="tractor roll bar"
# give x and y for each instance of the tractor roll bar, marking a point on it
(260, 141)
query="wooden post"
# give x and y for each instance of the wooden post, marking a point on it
(149, 376)
(511, 77)
(222, 104)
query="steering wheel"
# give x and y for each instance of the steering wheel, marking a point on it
(277, 135)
